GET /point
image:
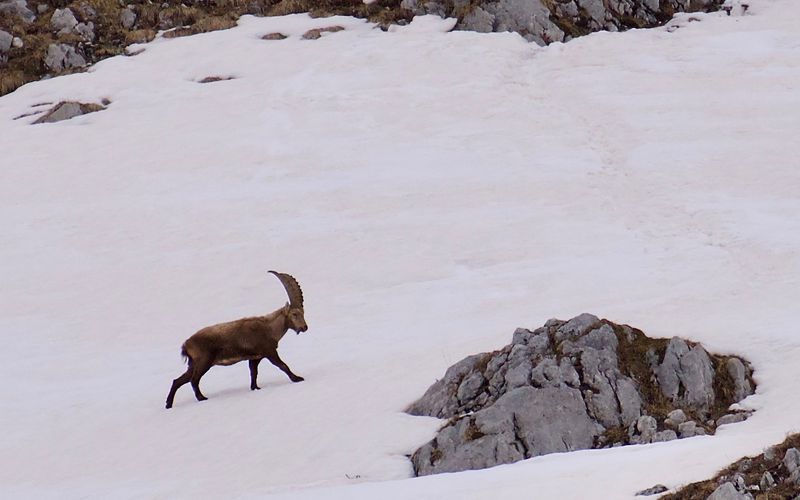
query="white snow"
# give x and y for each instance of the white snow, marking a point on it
(431, 191)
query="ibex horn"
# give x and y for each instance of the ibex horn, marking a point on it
(292, 288)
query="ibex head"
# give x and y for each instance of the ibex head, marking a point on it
(295, 316)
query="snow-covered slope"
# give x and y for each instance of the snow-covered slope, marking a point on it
(431, 191)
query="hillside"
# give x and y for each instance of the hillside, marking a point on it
(431, 191)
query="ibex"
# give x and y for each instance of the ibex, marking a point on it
(251, 339)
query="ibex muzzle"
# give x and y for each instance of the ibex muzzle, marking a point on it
(251, 339)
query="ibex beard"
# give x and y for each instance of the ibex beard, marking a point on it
(251, 339)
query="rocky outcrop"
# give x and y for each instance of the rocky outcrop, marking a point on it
(98, 29)
(68, 109)
(772, 474)
(572, 385)
(546, 21)
(61, 56)
(18, 9)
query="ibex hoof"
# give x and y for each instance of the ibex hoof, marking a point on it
(297, 379)
(255, 388)
(202, 398)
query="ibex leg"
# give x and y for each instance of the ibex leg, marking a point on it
(176, 384)
(277, 361)
(254, 373)
(201, 366)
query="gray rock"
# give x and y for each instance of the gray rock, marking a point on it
(665, 435)
(87, 12)
(686, 375)
(791, 460)
(557, 388)
(5, 41)
(66, 110)
(595, 9)
(17, 43)
(63, 21)
(18, 8)
(653, 490)
(86, 31)
(470, 387)
(127, 17)
(577, 326)
(738, 373)
(727, 491)
(61, 56)
(731, 418)
(42, 8)
(647, 425)
(767, 481)
(770, 453)
(440, 400)
(523, 423)
(690, 429)
(675, 418)
(478, 20)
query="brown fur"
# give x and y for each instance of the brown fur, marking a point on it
(251, 339)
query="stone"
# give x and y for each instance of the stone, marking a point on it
(127, 18)
(665, 435)
(86, 31)
(577, 326)
(523, 423)
(557, 388)
(690, 429)
(675, 418)
(42, 8)
(18, 8)
(653, 490)
(63, 21)
(316, 33)
(767, 481)
(274, 36)
(738, 372)
(61, 56)
(478, 20)
(731, 418)
(440, 399)
(6, 39)
(66, 110)
(686, 375)
(87, 12)
(646, 427)
(727, 491)
(17, 43)
(791, 460)
(770, 453)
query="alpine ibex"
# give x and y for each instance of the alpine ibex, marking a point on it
(251, 339)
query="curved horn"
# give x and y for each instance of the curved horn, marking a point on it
(292, 288)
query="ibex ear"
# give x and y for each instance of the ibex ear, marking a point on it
(287, 306)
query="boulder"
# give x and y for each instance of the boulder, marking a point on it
(6, 39)
(727, 491)
(61, 56)
(17, 8)
(86, 31)
(653, 490)
(791, 460)
(127, 18)
(686, 375)
(66, 110)
(63, 21)
(738, 373)
(565, 386)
